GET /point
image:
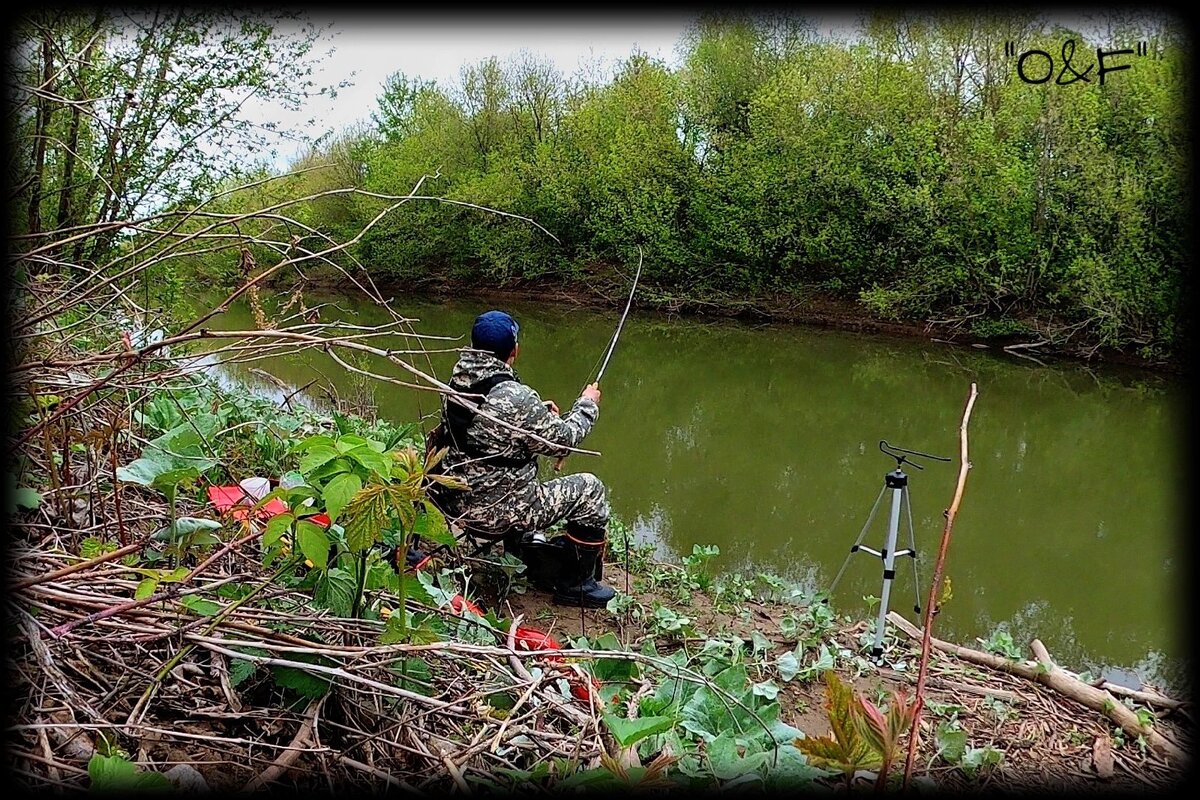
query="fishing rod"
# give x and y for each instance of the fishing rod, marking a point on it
(628, 304)
(607, 356)
(616, 335)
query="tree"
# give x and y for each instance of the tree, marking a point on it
(395, 117)
(126, 112)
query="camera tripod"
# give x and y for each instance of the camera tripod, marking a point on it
(897, 482)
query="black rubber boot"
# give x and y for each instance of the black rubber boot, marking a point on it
(584, 557)
(512, 543)
(544, 560)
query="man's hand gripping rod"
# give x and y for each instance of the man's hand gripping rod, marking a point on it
(612, 345)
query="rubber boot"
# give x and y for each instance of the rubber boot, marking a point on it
(577, 584)
(545, 560)
(512, 543)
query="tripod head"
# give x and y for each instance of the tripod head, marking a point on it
(902, 454)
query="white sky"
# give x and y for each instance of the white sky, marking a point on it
(370, 47)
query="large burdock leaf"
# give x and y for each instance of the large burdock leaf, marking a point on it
(630, 731)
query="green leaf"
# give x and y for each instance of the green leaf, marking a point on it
(176, 575)
(629, 731)
(312, 441)
(142, 471)
(979, 757)
(430, 524)
(306, 683)
(331, 468)
(172, 477)
(609, 670)
(372, 460)
(335, 590)
(313, 542)
(791, 770)
(185, 526)
(110, 772)
(276, 527)
(339, 491)
(413, 674)
(117, 774)
(26, 498)
(767, 689)
(316, 456)
(788, 665)
(725, 760)
(199, 605)
(366, 516)
(91, 547)
(845, 750)
(592, 778)
(145, 588)
(951, 743)
(240, 670)
(349, 442)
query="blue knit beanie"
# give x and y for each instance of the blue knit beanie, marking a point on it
(495, 332)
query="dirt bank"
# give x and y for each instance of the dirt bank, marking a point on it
(809, 308)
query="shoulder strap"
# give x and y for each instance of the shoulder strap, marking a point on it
(459, 418)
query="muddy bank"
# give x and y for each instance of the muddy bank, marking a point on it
(810, 308)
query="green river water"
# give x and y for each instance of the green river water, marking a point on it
(763, 440)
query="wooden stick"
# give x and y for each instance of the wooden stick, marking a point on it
(957, 686)
(1057, 678)
(1046, 672)
(378, 773)
(293, 751)
(1149, 698)
(935, 584)
(82, 565)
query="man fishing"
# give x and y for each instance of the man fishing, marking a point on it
(495, 452)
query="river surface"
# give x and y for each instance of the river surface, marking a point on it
(764, 440)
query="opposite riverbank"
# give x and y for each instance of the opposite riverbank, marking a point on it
(607, 289)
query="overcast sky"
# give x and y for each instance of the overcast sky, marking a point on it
(368, 48)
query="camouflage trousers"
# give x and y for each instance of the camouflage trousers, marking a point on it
(581, 498)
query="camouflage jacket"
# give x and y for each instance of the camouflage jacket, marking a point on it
(521, 407)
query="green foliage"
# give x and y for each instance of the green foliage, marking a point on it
(884, 731)
(1001, 642)
(906, 169)
(628, 732)
(115, 773)
(308, 684)
(695, 566)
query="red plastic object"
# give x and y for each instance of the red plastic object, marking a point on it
(527, 638)
(532, 639)
(235, 499)
(226, 497)
(458, 603)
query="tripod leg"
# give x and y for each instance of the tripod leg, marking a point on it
(858, 541)
(912, 543)
(889, 570)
